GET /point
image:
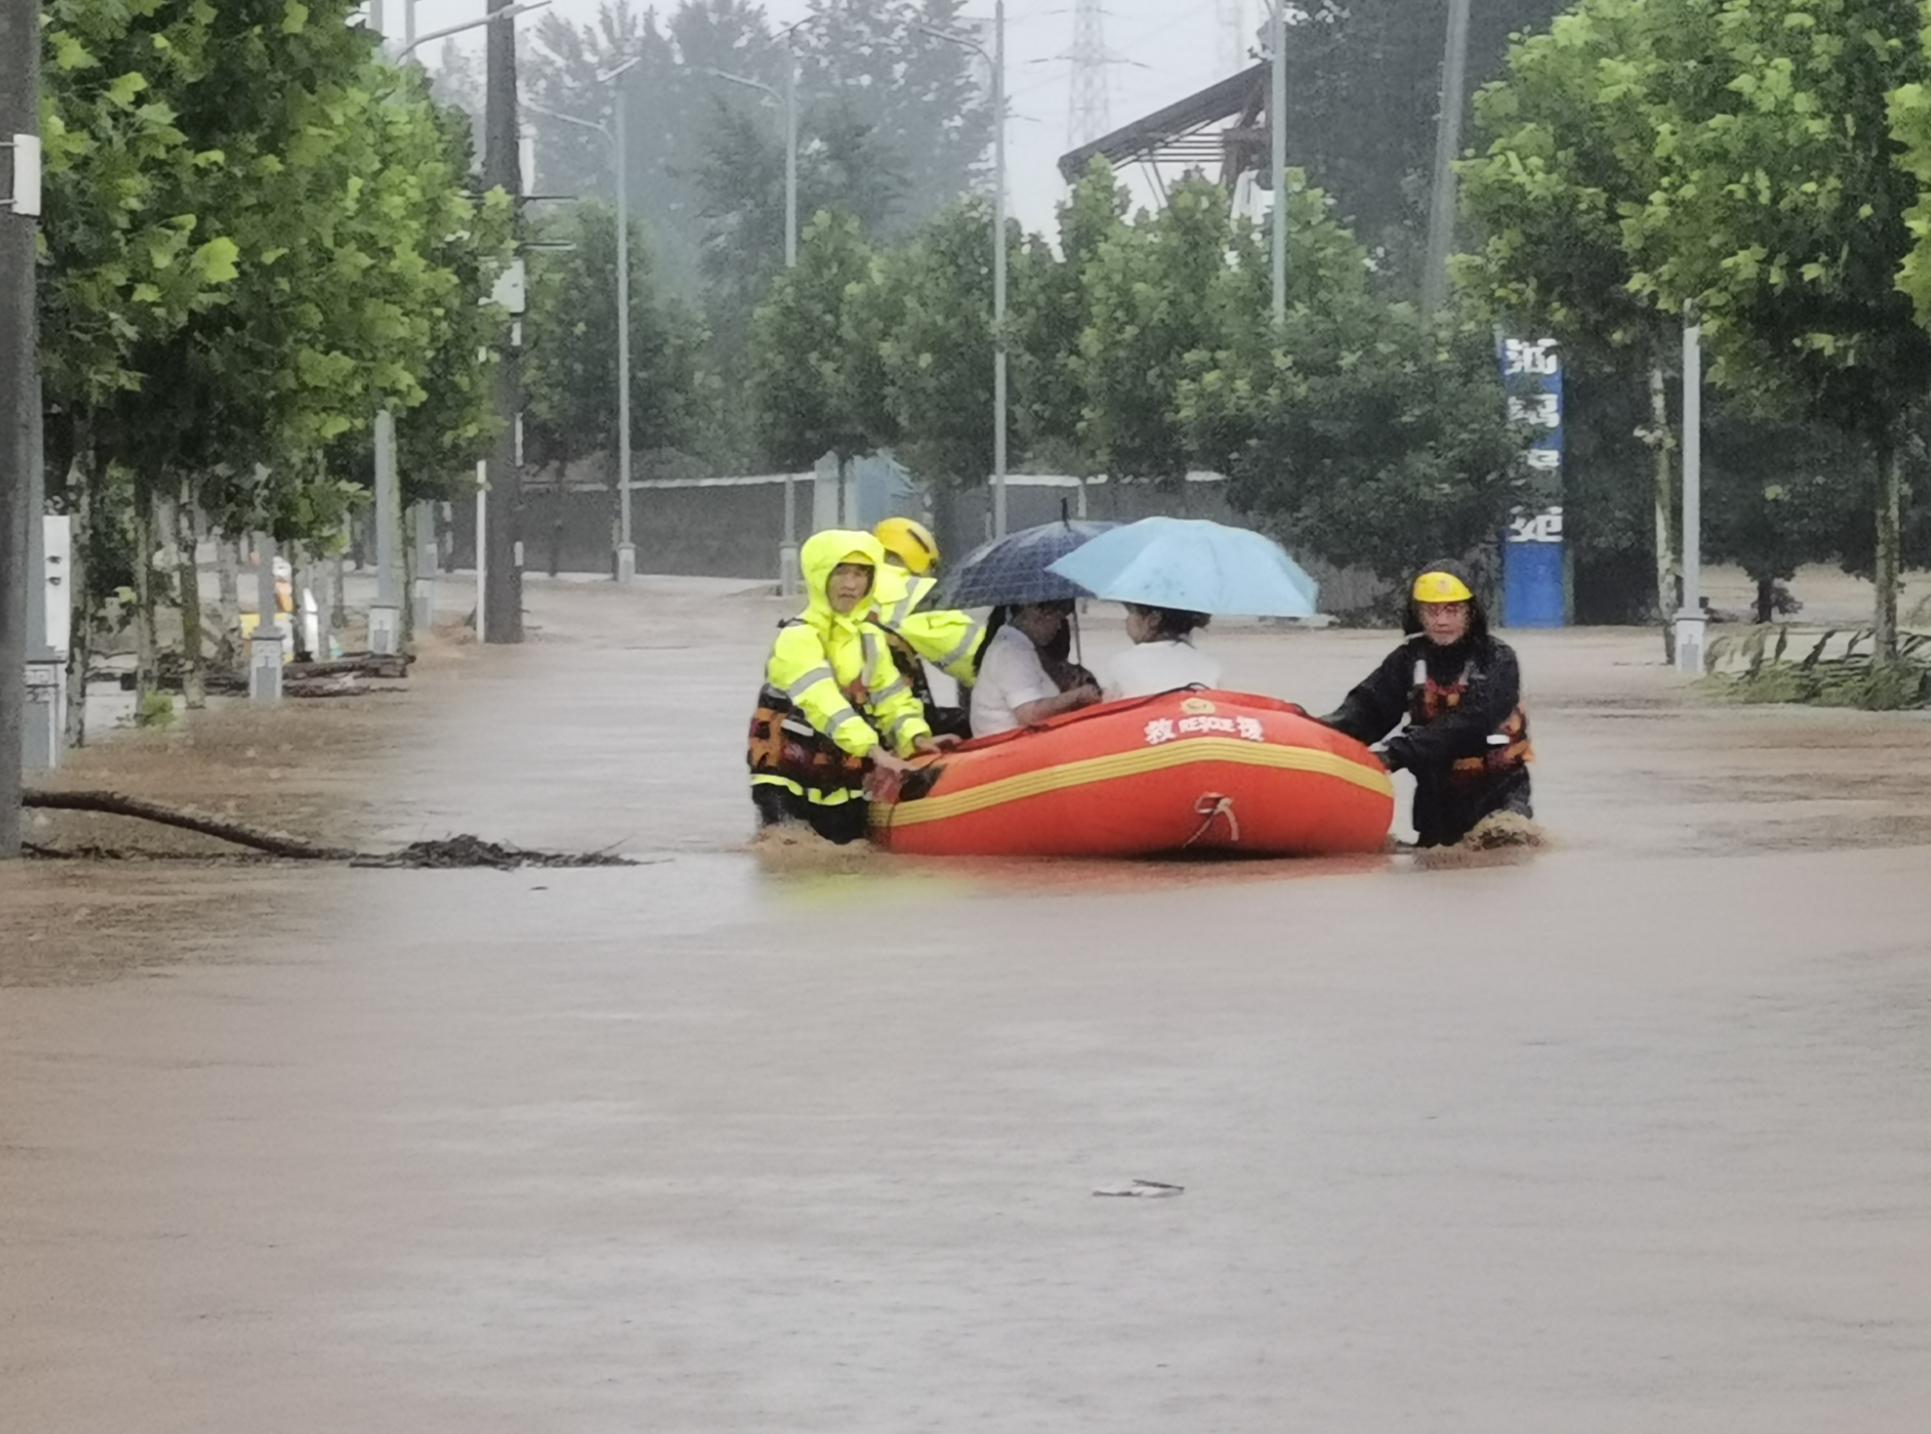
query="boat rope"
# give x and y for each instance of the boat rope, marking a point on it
(1212, 806)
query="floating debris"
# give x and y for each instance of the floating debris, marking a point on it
(472, 852)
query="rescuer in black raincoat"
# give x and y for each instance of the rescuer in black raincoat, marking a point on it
(1460, 690)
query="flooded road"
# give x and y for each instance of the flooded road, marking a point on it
(1631, 1136)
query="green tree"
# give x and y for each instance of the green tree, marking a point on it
(1159, 292)
(918, 96)
(1051, 308)
(1781, 499)
(571, 375)
(274, 238)
(802, 378)
(936, 347)
(1911, 125)
(1370, 439)
(1364, 90)
(1565, 155)
(1781, 215)
(1357, 432)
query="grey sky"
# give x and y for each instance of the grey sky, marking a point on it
(1173, 47)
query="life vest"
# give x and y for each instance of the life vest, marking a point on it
(1430, 699)
(786, 749)
(910, 666)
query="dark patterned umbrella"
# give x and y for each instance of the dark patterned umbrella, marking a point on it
(1012, 569)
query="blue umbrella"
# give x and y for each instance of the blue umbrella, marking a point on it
(1194, 565)
(1014, 569)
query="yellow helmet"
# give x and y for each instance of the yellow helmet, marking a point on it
(1441, 587)
(910, 543)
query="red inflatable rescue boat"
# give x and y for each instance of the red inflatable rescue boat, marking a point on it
(1186, 771)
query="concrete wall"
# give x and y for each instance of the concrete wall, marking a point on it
(733, 527)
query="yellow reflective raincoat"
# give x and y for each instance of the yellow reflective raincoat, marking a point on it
(950, 641)
(832, 694)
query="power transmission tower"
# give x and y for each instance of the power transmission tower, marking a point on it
(1089, 108)
(1233, 36)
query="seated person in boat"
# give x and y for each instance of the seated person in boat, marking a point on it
(950, 641)
(834, 711)
(1025, 677)
(1163, 656)
(1460, 689)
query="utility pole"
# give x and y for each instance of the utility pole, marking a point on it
(995, 57)
(385, 617)
(503, 169)
(428, 560)
(626, 544)
(1448, 145)
(19, 388)
(788, 576)
(1277, 116)
(265, 647)
(999, 399)
(1690, 622)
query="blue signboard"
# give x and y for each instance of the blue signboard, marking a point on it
(1532, 548)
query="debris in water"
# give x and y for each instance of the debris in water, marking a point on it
(1141, 1190)
(468, 852)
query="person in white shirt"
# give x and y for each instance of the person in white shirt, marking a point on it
(1014, 689)
(1162, 657)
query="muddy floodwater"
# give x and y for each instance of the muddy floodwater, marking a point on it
(1633, 1135)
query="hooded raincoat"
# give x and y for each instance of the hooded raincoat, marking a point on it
(832, 694)
(951, 641)
(1467, 738)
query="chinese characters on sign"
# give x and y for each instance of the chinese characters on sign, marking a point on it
(1532, 551)
(1166, 729)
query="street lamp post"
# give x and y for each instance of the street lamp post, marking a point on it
(1448, 144)
(614, 136)
(626, 547)
(1277, 117)
(495, 17)
(996, 58)
(1691, 625)
(788, 576)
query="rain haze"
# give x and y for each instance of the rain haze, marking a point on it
(637, 815)
(1158, 51)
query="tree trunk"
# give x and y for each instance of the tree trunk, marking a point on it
(195, 683)
(338, 595)
(556, 514)
(407, 617)
(81, 489)
(1665, 494)
(228, 579)
(1766, 601)
(322, 571)
(1890, 502)
(114, 804)
(146, 641)
(301, 569)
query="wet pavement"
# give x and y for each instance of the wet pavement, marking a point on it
(1627, 1136)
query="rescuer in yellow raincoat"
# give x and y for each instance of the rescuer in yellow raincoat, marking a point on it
(834, 709)
(950, 641)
